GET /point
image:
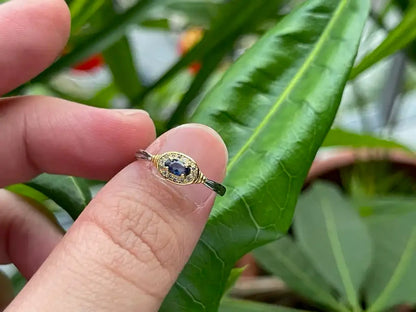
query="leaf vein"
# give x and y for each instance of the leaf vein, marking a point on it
(293, 83)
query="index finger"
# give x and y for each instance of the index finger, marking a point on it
(32, 34)
(43, 134)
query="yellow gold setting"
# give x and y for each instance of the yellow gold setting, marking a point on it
(194, 177)
(180, 169)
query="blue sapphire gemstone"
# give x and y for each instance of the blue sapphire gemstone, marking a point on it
(177, 167)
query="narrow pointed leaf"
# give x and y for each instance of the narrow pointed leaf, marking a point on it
(209, 64)
(234, 19)
(392, 279)
(70, 193)
(286, 260)
(120, 60)
(340, 137)
(273, 108)
(233, 278)
(397, 39)
(113, 31)
(196, 11)
(335, 238)
(82, 11)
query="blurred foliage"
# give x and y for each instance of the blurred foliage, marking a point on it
(269, 78)
(341, 260)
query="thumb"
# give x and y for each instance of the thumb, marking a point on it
(127, 248)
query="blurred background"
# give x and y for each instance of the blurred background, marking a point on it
(164, 55)
(138, 61)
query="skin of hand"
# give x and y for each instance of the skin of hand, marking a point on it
(129, 245)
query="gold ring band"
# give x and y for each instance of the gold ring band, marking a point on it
(180, 169)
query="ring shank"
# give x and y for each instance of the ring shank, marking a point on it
(216, 187)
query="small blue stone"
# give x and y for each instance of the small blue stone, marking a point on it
(177, 167)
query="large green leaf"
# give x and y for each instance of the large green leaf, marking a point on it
(234, 305)
(120, 60)
(335, 239)
(286, 260)
(70, 193)
(396, 40)
(340, 137)
(392, 277)
(273, 108)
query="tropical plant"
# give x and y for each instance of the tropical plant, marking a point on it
(273, 106)
(342, 260)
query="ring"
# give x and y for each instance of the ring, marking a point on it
(180, 169)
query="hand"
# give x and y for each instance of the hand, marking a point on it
(127, 248)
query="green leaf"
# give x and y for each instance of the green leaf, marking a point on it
(103, 97)
(382, 205)
(120, 60)
(209, 64)
(235, 305)
(397, 39)
(233, 278)
(392, 277)
(335, 238)
(28, 192)
(82, 11)
(108, 35)
(70, 193)
(18, 282)
(273, 108)
(340, 137)
(286, 260)
(234, 19)
(161, 23)
(198, 12)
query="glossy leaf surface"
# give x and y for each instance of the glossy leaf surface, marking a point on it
(70, 193)
(340, 137)
(335, 239)
(285, 259)
(273, 108)
(392, 277)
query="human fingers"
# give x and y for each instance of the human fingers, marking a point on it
(32, 34)
(127, 248)
(26, 235)
(43, 134)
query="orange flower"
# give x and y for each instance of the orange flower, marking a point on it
(187, 41)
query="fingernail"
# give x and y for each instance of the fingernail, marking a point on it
(203, 145)
(131, 112)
